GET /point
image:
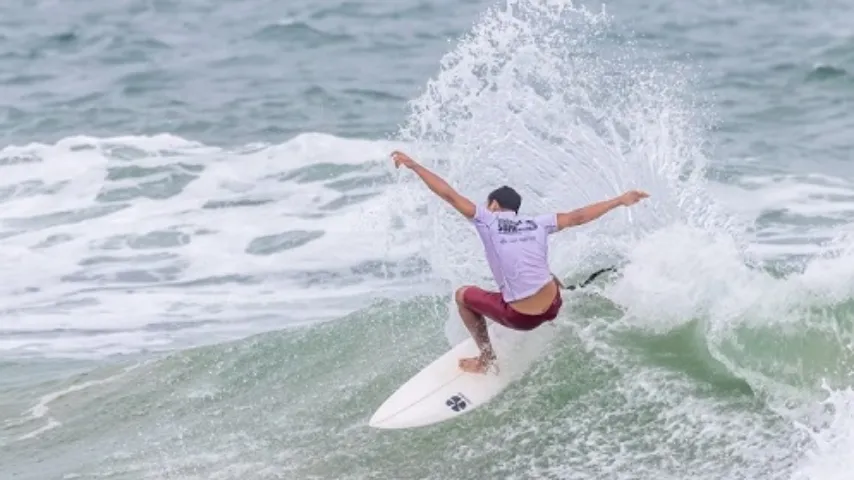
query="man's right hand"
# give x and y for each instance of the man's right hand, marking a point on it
(632, 197)
(401, 158)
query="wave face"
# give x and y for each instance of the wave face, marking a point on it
(174, 309)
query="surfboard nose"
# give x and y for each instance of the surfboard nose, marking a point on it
(440, 391)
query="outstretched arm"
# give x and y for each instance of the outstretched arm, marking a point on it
(436, 184)
(593, 211)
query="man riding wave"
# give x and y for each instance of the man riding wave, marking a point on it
(516, 248)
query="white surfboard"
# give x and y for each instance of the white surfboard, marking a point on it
(441, 391)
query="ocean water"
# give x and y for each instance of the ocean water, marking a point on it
(211, 270)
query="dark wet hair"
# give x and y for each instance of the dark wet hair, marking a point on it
(507, 198)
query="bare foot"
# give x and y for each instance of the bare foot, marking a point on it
(479, 364)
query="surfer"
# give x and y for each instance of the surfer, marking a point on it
(516, 248)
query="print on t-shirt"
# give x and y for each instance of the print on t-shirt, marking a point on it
(510, 226)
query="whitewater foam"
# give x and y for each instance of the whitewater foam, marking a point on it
(829, 457)
(137, 243)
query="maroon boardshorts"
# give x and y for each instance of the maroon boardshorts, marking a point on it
(493, 306)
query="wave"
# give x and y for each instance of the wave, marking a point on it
(678, 346)
(296, 403)
(701, 358)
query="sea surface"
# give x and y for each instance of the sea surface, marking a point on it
(212, 270)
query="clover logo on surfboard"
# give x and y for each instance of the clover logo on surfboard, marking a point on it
(457, 402)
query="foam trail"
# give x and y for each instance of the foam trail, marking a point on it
(41, 411)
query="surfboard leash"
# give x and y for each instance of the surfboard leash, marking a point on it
(587, 280)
